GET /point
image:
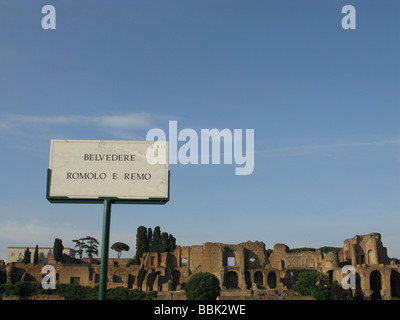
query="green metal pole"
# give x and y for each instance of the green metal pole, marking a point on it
(104, 249)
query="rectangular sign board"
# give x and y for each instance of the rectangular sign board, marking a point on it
(87, 171)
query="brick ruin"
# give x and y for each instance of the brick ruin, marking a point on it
(245, 270)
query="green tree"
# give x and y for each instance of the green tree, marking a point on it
(156, 244)
(58, 249)
(150, 239)
(27, 256)
(79, 247)
(142, 243)
(313, 283)
(119, 247)
(202, 286)
(329, 249)
(90, 245)
(36, 255)
(164, 242)
(171, 243)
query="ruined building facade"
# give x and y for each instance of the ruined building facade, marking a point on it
(244, 269)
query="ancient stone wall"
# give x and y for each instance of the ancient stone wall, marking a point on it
(243, 269)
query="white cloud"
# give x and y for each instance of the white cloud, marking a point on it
(131, 121)
(22, 131)
(330, 146)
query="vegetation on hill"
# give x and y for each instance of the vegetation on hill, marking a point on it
(73, 292)
(318, 285)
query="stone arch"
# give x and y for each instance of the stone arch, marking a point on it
(149, 281)
(395, 284)
(330, 275)
(27, 277)
(158, 281)
(271, 280)
(231, 280)
(259, 279)
(176, 276)
(375, 281)
(140, 278)
(120, 276)
(358, 282)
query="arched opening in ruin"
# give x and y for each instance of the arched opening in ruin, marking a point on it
(375, 284)
(117, 278)
(395, 284)
(157, 281)
(247, 278)
(150, 277)
(259, 279)
(358, 282)
(176, 276)
(271, 280)
(120, 276)
(330, 275)
(231, 280)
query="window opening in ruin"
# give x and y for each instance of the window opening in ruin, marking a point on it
(231, 261)
(253, 263)
(75, 280)
(183, 262)
(152, 261)
(362, 259)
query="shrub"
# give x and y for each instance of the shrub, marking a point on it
(338, 293)
(73, 292)
(202, 286)
(134, 261)
(313, 283)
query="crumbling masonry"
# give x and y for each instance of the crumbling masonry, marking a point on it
(244, 270)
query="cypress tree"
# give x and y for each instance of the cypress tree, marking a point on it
(171, 243)
(58, 249)
(164, 242)
(142, 243)
(156, 245)
(36, 255)
(150, 239)
(27, 256)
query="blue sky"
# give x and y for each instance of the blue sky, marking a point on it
(324, 103)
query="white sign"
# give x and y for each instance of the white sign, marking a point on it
(90, 169)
